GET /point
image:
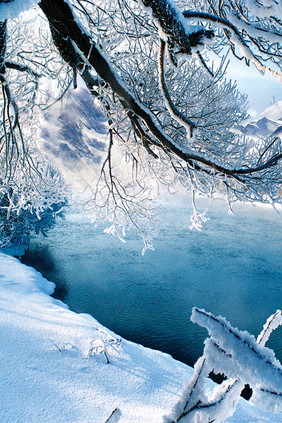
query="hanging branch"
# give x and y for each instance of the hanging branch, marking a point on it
(237, 37)
(175, 113)
(87, 48)
(174, 28)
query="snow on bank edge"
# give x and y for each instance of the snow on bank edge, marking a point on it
(48, 373)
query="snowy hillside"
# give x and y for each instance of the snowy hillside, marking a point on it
(51, 370)
(268, 124)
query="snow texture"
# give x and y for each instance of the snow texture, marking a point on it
(238, 355)
(50, 371)
(12, 8)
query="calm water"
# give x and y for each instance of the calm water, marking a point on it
(232, 268)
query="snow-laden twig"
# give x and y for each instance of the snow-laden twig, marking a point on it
(245, 351)
(243, 360)
(197, 218)
(237, 38)
(188, 124)
(97, 346)
(271, 324)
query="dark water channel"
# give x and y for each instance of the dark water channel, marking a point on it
(232, 268)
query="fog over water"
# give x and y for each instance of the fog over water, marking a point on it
(232, 268)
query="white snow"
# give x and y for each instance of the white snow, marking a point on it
(51, 370)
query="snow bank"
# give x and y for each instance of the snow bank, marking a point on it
(52, 371)
(48, 374)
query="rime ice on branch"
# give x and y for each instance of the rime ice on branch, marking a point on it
(124, 51)
(240, 357)
(173, 28)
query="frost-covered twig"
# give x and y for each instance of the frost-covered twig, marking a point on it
(243, 348)
(175, 113)
(102, 343)
(272, 323)
(237, 37)
(197, 218)
(96, 347)
(63, 347)
(237, 355)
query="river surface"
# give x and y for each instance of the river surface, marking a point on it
(231, 268)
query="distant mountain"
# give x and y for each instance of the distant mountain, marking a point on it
(273, 112)
(268, 124)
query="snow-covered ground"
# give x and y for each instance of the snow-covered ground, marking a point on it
(50, 372)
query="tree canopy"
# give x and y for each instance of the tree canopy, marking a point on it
(157, 70)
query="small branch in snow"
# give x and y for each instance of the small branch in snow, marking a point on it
(114, 416)
(236, 37)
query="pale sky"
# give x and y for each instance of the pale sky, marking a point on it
(262, 90)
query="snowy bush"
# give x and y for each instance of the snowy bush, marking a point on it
(243, 360)
(30, 208)
(103, 343)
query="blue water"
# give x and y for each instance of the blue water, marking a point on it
(232, 268)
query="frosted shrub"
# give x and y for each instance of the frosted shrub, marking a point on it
(96, 347)
(102, 343)
(243, 359)
(30, 206)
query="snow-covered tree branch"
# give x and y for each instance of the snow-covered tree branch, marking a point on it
(31, 192)
(170, 110)
(243, 360)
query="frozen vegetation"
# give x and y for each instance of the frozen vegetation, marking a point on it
(54, 363)
(59, 366)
